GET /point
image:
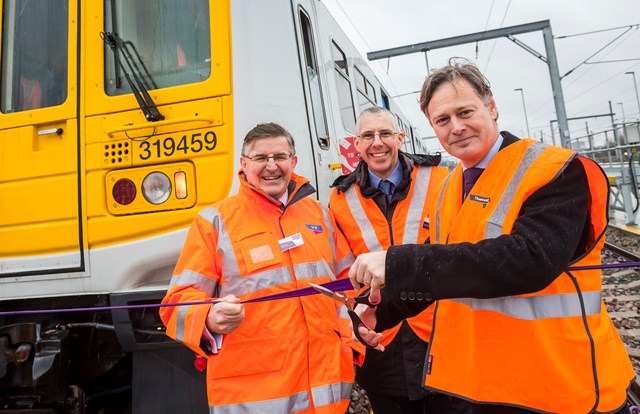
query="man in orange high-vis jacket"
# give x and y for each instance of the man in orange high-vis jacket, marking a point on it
(372, 221)
(281, 356)
(515, 331)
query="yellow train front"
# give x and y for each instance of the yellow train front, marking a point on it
(119, 120)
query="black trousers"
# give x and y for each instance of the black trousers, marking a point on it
(431, 404)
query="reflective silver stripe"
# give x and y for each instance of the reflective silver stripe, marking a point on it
(362, 221)
(327, 223)
(496, 221)
(312, 270)
(292, 404)
(225, 248)
(413, 224)
(437, 218)
(560, 305)
(180, 320)
(194, 280)
(236, 285)
(345, 263)
(343, 313)
(332, 393)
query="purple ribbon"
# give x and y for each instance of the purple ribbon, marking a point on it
(336, 285)
(342, 284)
(605, 266)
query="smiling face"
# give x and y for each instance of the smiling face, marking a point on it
(272, 177)
(380, 154)
(464, 123)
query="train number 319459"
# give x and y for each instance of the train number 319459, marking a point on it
(168, 146)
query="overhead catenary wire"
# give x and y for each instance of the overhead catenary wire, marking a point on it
(493, 47)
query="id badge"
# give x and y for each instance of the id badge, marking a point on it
(290, 242)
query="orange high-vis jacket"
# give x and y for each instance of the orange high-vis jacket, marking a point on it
(555, 350)
(287, 355)
(367, 229)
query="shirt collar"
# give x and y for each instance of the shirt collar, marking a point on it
(395, 177)
(492, 153)
(285, 197)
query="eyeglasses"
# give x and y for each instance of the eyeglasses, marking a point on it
(370, 136)
(264, 158)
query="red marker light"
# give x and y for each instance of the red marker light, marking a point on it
(124, 191)
(200, 363)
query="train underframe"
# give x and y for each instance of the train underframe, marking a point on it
(94, 362)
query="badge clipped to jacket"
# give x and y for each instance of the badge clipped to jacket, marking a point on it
(290, 242)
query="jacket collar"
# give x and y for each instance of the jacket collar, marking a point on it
(298, 188)
(361, 174)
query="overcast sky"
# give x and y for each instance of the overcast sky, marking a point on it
(580, 28)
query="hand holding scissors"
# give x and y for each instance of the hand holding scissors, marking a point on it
(350, 303)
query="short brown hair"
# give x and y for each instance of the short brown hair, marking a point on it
(457, 68)
(267, 130)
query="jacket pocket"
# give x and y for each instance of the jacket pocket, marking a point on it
(259, 251)
(249, 358)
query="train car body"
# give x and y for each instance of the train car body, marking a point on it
(119, 121)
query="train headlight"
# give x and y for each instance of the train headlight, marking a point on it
(124, 191)
(151, 188)
(156, 188)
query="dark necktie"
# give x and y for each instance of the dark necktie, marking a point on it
(469, 178)
(386, 187)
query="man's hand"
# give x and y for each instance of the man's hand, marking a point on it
(225, 316)
(368, 269)
(367, 315)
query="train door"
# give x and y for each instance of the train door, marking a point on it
(40, 197)
(316, 95)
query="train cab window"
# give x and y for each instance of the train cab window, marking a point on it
(365, 91)
(164, 42)
(34, 54)
(344, 88)
(313, 81)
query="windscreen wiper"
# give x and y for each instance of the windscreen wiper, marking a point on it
(138, 88)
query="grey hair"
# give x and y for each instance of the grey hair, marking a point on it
(378, 110)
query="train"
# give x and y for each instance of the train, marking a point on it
(119, 121)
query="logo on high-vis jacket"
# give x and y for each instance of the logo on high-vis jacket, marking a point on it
(316, 228)
(479, 199)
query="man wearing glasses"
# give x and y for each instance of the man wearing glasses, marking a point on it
(267, 357)
(384, 202)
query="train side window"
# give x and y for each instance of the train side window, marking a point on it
(371, 92)
(313, 79)
(344, 88)
(167, 41)
(385, 99)
(364, 100)
(34, 54)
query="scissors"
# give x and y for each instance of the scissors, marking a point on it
(350, 303)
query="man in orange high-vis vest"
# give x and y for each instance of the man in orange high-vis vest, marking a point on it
(372, 221)
(515, 331)
(282, 356)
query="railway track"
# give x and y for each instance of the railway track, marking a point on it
(621, 294)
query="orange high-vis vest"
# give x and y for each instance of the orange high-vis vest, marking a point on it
(555, 350)
(367, 229)
(287, 355)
